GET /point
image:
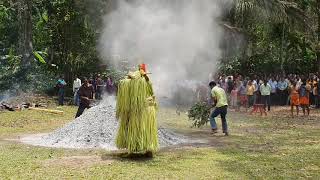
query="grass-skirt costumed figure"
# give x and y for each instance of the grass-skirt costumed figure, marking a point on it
(136, 111)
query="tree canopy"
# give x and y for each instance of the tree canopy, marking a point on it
(40, 39)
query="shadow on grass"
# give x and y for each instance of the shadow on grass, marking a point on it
(125, 156)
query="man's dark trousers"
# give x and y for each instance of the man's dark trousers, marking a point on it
(81, 109)
(61, 96)
(266, 101)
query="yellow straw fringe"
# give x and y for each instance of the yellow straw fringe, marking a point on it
(136, 110)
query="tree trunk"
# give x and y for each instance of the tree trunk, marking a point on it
(27, 48)
(318, 49)
(282, 49)
(304, 45)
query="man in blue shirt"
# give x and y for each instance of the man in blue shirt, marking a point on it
(61, 86)
(283, 94)
(273, 83)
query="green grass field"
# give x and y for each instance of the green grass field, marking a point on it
(273, 147)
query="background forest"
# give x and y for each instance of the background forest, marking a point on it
(40, 39)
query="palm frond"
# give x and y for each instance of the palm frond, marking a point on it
(277, 10)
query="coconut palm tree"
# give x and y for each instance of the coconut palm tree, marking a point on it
(276, 11)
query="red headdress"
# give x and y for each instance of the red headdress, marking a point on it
(143, 67)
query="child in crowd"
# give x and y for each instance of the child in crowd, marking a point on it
(250, 93)
(234, 98)
(243, 95)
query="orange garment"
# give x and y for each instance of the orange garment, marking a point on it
(304, 101)
(294, 97)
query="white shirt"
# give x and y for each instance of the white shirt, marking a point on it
(299, 83)
(255, 83)
(76, 84)
(265, 89)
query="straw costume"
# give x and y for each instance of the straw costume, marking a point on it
(136, 111)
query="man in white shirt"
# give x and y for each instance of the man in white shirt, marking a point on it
(76, 86)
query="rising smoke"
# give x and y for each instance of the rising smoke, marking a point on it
(178, 39)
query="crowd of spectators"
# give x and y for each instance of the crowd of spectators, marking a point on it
(273, 90)
(99, 84)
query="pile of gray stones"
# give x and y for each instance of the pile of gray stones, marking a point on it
(96, 128)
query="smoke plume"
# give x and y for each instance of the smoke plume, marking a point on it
(177, 39)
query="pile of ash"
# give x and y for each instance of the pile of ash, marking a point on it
(96, 128)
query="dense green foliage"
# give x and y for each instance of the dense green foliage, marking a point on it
(278, 36)
(42, 39)
(63, 41)
(199, 114)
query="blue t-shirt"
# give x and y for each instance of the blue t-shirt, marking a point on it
(61, 83)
